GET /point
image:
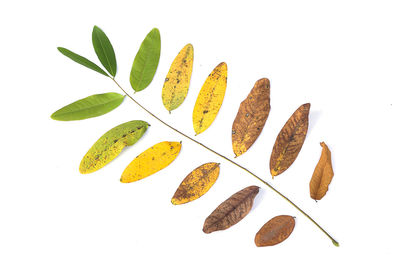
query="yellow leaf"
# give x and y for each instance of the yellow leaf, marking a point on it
(197, 183)
(210, 98)
(151, 161)
(177, 82)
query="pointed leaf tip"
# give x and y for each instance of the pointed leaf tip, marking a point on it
(104, 50)
(146, 61)
(177, 82)
(81, 60)
(89, 107)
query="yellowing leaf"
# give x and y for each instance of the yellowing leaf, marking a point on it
(177, 82)
(322, 175)
(210, 98)
(111, 144)
(151, 161)
(197, 183)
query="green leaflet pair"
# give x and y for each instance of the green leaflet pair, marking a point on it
(143, 70)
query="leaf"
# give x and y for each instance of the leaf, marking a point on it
(111, 144)
(231, 211)
(289, 141)
(322, 175)
(146, 61)
(251, 117)
(81, 60)
(89, 107)
(151, 161)
(104, 50)
(210, 98)
(177, 82)
(275, 231)
(197, 183)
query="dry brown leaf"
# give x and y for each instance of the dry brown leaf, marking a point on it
(322, 175)
(197, 183)
(275, 231)
(231, 211)
(289, 141)
(251, 117)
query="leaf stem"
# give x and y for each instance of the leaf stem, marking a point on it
(231, 161)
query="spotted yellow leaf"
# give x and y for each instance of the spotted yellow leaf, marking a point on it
(111, 144)
(151, 161)
(197, 183)
(210, 98)
(177, 82)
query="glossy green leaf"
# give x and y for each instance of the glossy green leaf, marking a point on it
(81, 60)
(111, 144)
(104, 50)
(89, 107)
(146, 61)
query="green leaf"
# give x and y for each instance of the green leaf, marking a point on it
(111, 144)
(104, 50)
(81, 60)
(146, 61)
(89, 107)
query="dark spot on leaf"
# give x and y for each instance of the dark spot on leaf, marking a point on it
(205, 111)
(233, 132)
(166, 79)
(178, 81)
(152, 158)
(247, 114)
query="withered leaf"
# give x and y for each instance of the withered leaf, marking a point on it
(197, 183)
(275, 231)
(289, 141)
(231, 211)
(251, 117)
(322, 175)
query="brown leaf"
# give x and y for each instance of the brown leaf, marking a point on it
(275, 231)
(251, 117)
(231, 211)
(289, 141)
(322, 175)
(197, 183)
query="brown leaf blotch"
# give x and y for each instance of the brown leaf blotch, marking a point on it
(322, 175)
(289, 141)
(251, 117)
(275, 231)
(231, 211)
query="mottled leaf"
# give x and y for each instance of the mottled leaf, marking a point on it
(146, 61)
(231, 211)
(197, 183)
(275, 231)
(89, 107)
(104, 50)
(177, 82)
(210, 98)
(251, 117)
(322, 175)
(151, 161)
(111, 144)
(81, 60)
(289, 141)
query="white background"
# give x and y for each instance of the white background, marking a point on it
(341, 56)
